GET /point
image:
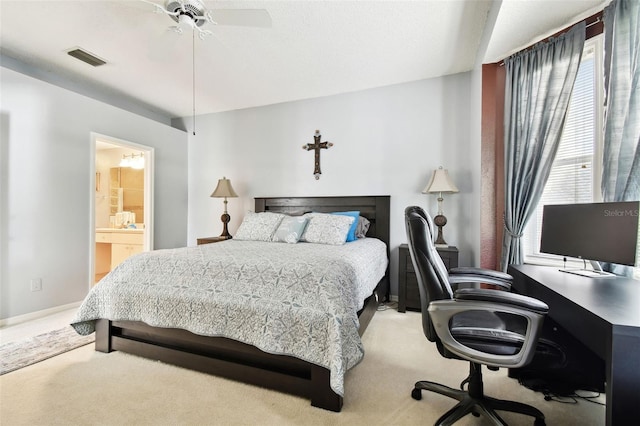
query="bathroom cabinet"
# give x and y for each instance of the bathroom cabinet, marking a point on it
(115, 245)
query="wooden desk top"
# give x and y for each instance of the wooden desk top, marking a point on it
(615, 300)
(604, 314)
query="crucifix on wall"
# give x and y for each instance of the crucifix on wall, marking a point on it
(317, 146)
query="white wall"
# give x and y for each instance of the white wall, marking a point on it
(45, 160)
(387, 141)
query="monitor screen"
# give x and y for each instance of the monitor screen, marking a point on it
(605, 232)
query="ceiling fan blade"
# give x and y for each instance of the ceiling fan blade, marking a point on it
(242, 17)
(225, 17)
(145, 5)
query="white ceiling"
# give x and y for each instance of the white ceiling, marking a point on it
(312, 48)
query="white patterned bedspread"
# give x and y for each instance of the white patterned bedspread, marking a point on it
(293, 299)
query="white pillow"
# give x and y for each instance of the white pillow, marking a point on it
(290, 229)
(324, 228)
(258, 226)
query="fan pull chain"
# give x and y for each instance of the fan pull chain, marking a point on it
(193, 65)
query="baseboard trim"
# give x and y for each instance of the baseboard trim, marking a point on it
(36, 315)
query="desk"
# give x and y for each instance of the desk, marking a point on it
(604, 314)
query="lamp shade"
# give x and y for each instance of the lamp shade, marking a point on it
(224, 189)
(440, 182)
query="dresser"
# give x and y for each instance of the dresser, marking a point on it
(408, 293)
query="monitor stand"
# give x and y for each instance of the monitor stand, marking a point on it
(597, 271)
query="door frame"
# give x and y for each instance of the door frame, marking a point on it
(148, 194)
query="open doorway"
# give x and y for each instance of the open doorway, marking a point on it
(121, 216)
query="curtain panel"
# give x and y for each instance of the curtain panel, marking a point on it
(621, 154)
(539, 83)
(621, 159)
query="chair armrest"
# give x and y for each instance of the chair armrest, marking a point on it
(502, 297)
(458, 279)
(492, 301)
(470, 270)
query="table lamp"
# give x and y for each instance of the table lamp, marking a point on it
(224, 190)
(440, 183)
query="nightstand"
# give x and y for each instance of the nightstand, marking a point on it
(408, 293)
(209, 240)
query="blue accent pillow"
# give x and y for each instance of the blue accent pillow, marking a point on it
(351, 235)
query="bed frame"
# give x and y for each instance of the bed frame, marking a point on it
(242, 362)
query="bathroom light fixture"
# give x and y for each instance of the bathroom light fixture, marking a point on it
(224, 190)
(135, 161)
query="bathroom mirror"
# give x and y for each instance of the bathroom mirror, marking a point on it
(126, 188)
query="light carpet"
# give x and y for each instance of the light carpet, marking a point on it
(19, 354)
(84, 387)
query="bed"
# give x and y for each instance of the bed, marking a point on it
(313, 374)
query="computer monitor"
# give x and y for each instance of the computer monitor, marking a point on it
(598, 232)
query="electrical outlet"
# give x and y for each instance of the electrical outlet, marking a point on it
(36, 284)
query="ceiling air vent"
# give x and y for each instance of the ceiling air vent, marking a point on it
(87, 57)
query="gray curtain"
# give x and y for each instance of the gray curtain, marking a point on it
(539, 83)
(621, 155)
(621, 162)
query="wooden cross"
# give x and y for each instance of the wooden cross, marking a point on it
(317, 146)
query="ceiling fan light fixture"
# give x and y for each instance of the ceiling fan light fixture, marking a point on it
(185, 22)
(182, 10)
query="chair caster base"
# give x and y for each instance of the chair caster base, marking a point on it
(475, 404)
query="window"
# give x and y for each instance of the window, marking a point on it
(576, 172)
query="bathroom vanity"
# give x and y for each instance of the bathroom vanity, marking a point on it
(115, 245)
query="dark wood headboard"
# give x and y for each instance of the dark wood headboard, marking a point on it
(374, 208)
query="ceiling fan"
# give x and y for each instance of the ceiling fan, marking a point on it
(193, 14)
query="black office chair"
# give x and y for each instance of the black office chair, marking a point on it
(465, 274)
(491, 327)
